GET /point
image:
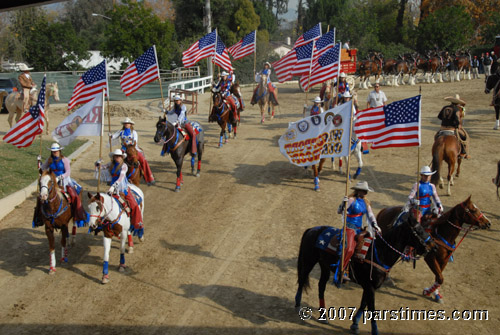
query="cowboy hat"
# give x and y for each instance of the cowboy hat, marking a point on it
(177, 97)
(455, 100)
(118, 152)
(342, 75)
(267, 63)
(316, 100)
(55, 147)
(224, 73)
(362, 186)
(347, 94)
(426, 171)
(128, 120)
(23, 67)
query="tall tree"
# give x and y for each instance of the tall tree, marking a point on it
(399, 20)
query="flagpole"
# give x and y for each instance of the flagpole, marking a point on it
(418, 159)
(340, 56)
(345, 195)
(254, 60)
(309, 79)
(100, 141)
(338, 77)
(109, 116)
(159, 79)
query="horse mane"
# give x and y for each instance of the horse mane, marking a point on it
(52, 176)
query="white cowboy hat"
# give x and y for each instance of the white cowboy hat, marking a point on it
(224, 73)
(362, 186)
(55, 147)
(23, 67)
(347, 94)
(177, 97)
(316, 100)
(118, 152)
(342, 75)
(128, 120)
(455, 100)
(267, 63)
(426, 171)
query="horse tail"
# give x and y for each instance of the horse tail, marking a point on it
(302, 275)
(436, 160)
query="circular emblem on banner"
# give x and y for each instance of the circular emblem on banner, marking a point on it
(337, 120)
(316, 120)
(329, 117)
(303, 126)
(290, 135)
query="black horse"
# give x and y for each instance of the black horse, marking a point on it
(223, 115)
(178, 147)
(369, 273)
(493, 83)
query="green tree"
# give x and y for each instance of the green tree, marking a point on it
(449, 28)
(133, 29)
(245, 18)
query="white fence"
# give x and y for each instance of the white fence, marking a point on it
(198, 85)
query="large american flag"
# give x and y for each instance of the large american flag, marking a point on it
(89, 85)
(246, 46)
(141, 72)
(313, 34)
(323, 44)
(394, 125)
(221, 57)
(296, 62)
(30, 125)
(327, 67)
(202, 48)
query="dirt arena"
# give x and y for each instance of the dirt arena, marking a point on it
(220, 256)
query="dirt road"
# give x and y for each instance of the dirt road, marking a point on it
(220, 256)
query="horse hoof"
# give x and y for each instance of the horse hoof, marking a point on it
(323, 321)
(130, 250)
(354, 329)
(52, 271)
(122, 268)
(177, 189)
(193, 171)
(316, 188)
(141, 239)
(105, 279)
(64, 259)
(198, 175)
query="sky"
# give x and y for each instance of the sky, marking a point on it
(292, 10)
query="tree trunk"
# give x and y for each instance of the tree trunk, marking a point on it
(399, 20)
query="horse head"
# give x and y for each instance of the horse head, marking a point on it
(161, 127)
(235, 90)
(419, 238)
(491, 82)
(131, 152)
(473, 215)
(53, 91)
(96, 209)
(48, 184)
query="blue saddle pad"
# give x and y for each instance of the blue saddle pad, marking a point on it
(137, 197)
(326, 237)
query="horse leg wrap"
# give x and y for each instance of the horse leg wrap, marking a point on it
(122, 259)
(229, 128)
(437, 295)
(64, 254)
(358, 172)
(182, 179)
(130, 241)
(322, 303)
(429, 290)
(52, 261)
(178, 184)
(316, 183)
(220, 141)
(199, 166)
(192, 161)
(105, 268)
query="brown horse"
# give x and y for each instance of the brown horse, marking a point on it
(134, 172)
(462, 63)
(223, 115)
(496, 180)
(446, 147)
(444, 232)
(56, 212)
(238, 99)
(370, 67)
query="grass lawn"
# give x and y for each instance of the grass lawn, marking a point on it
(19, 166)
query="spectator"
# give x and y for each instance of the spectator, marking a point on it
(494, 63)
(481, 66)
(487, 64)
(346, 45)
(475, 68)
(376, 97)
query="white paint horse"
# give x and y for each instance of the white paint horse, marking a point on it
(264, 98)
(106, 212)
(14, 103)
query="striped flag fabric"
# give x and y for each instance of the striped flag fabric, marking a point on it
(89, 85)
(295, 63)
(313, 34)
(30, 125)
(246, 46)
(323, 44)
(141, 72)
(202, 48)
(221, 57)
(326, 68)
(394, 125)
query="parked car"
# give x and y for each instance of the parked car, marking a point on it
(8, 85)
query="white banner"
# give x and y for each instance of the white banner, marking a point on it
(85, 121)
(320, 136)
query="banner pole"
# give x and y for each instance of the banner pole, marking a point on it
(100, 142)
(309, 78)
(345, 195)
(254, 61)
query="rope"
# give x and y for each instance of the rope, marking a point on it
(396, 250)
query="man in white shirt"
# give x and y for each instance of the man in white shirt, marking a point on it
(376, 98)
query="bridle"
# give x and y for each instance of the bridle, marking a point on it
(102, 218)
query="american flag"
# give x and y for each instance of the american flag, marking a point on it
(246, 46)
(394, 125)
(89, 85)
(202, 48)
(326, 68)
(30, 125)
(313, 34)
(296, 62)
(141, 72)
(221, 57)
(323, 44)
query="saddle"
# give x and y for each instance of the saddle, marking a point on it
(461, 135)
(363, 242)
(184, 133)
(123, 202)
